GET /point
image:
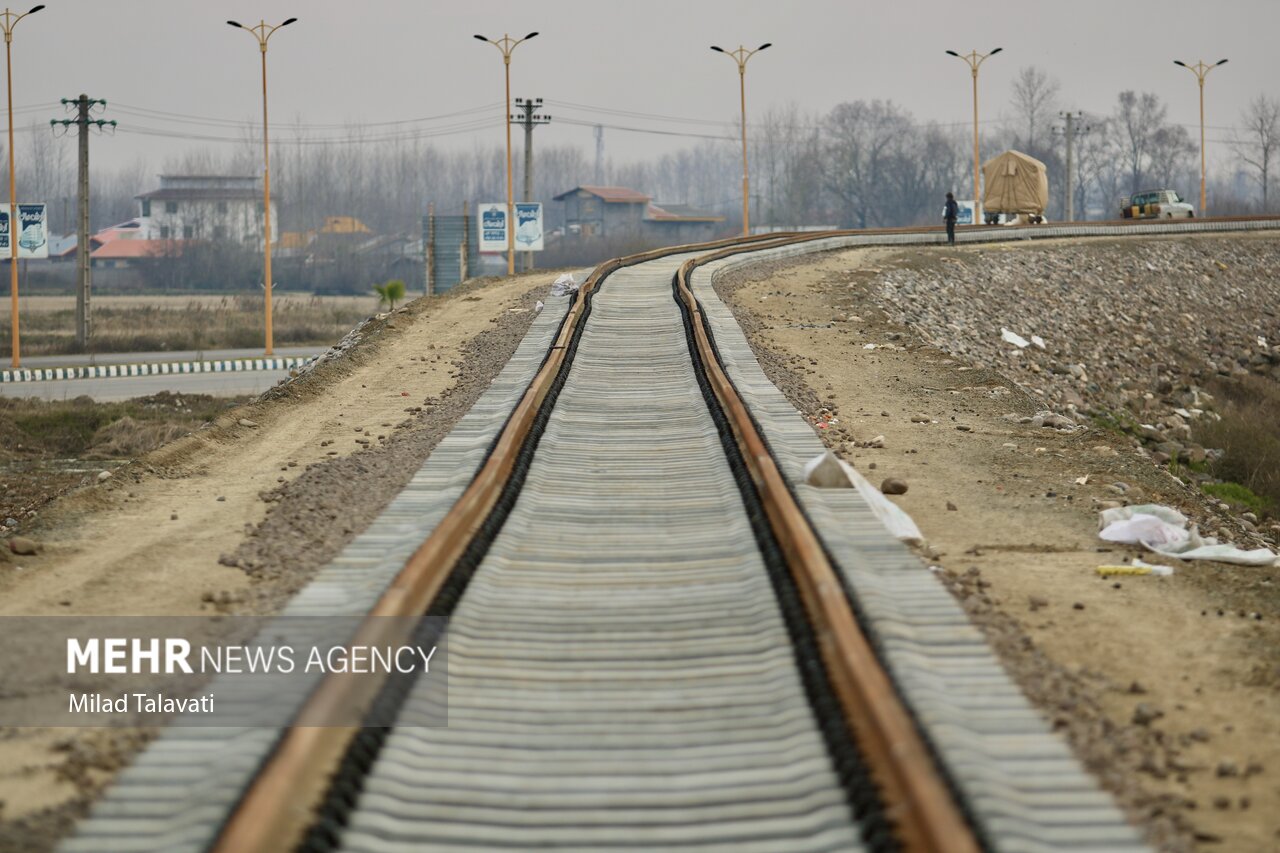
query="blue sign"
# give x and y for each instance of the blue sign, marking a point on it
(493, 227)
(33, 232)
(529, 226)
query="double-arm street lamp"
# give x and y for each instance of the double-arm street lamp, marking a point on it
(1201, 70)
(10, 20)
(974, 61)
(263, 31)
(740, 56)
(506, 45)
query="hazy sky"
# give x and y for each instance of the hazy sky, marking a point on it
(164, 64)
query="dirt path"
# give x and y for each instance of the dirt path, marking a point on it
(236, 517)
(1166, 687)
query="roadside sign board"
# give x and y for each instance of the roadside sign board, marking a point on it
(529, 226)
(33, 232)
(966, 215)
(493, 226)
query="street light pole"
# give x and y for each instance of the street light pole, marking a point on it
(1201, 71)
(10, 20)
(740, 56)
(262, 32)
(974, 61)
(506, 45)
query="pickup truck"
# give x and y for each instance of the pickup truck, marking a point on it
(1155, 204)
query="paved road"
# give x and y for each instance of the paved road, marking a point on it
(32, 362)
(125, 387)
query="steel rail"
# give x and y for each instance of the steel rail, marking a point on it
(917, 798)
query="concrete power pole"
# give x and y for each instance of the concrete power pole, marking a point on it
(599, 176)
(83, 105)
(1071, 147)
(529, 120)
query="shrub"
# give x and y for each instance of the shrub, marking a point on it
(1249, 436)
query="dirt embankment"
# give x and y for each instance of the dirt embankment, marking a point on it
(237, 516)
(1167, 688)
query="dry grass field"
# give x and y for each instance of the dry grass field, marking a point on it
(160, 323)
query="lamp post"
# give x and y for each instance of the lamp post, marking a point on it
(263, 31)
(974, 61)
(1201, 70)
(10, 20)
(506, 45)
(740, 56)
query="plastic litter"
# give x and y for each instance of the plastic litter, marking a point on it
(565, 285)
(1013, 338)
(1137, 567)
(1164, 531)
(825, 472)
(1038, 341)
(892, 516)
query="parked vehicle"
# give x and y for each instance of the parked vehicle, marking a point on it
(1016, 191)
(1155, 204)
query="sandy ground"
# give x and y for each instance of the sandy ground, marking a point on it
(168, 533)
(1166, 687)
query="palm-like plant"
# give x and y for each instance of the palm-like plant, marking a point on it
(390, 292)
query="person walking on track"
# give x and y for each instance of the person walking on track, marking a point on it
(949, 215)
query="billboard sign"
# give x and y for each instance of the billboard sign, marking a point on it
(493, 226)
(529, 226)
(33, 232)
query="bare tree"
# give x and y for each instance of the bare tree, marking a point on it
(1259, 142)
(1136, 121)
(1035, 99)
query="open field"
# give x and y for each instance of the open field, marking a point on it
(162, 323)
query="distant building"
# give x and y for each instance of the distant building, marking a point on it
(337, 231)
(622, 212)
(205, 207)
(123, 245)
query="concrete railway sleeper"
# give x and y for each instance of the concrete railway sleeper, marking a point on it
(658, 637)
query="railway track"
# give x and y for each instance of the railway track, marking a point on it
(657, 635)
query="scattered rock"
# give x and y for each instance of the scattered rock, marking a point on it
(952, 507)
(920, 419)
(245, 422)
(1226, 769)
(893, 486)
(25, 547)
(1144, 714)
(1036, 602)
(103, 476)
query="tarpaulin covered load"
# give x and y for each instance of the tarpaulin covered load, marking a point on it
(1015, 183)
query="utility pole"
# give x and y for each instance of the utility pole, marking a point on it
(599, 176)
(529, 119)
(1070, 134)
(83, 106)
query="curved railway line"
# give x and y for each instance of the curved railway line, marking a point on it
(658, 636)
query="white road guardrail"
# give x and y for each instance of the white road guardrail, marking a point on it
(159, 368)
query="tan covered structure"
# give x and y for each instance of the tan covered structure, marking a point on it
(1015, 183)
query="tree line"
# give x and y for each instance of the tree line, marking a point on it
(862, 163)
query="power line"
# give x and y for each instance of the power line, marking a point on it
(187, 118)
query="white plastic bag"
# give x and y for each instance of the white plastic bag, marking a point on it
(1164, 531)
(564, 285)
(821, 472)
